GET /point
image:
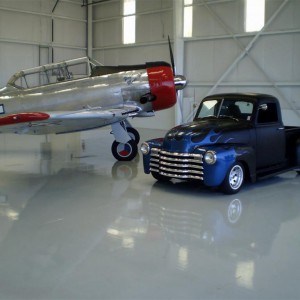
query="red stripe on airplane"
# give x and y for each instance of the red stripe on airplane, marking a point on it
(25, 117)
(161, 81)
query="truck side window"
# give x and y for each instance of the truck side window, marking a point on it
(268, 116)
(241, 109)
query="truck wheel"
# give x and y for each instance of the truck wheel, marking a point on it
(124, 152)
(160, 177)
(234, 179)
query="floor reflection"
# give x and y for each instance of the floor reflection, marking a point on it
(81, 225)
(251, 219)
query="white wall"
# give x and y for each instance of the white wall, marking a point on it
(26, 38)
(211, 56)
(214, 60)
(154, 23)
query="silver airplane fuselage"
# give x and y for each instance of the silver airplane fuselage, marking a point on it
(86, 94)
(52, 99)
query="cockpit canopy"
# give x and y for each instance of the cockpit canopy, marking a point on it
(53, 73)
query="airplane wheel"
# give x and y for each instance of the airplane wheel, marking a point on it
(134, 134)
(124, 152)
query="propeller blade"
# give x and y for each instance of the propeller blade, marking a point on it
(171, 56)
(179, 80)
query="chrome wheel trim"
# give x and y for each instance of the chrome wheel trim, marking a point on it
(236, 177)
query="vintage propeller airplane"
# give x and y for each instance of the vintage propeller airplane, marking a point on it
(55, 98)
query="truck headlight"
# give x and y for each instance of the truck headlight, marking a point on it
(145, 148)
(210, 157)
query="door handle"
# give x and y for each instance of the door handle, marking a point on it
(280, 128)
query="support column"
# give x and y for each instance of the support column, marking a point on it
(89, 30)
(178, 8)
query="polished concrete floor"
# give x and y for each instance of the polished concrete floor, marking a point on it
(76, 224)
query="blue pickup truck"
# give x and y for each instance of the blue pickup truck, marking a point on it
(233, 138)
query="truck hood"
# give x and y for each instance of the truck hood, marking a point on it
(208, 131)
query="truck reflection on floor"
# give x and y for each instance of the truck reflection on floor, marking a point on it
(241, 222)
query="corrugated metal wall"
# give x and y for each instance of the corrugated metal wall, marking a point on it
(223, 58)
(220, 57)
(154, 22)
(34, 32)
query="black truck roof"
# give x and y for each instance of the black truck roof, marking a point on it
(256, 97)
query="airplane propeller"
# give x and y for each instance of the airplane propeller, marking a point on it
(171, 56)
(179, 80)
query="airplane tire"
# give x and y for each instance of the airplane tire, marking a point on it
(134, 134)
(124, 152)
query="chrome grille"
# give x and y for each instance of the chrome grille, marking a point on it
(176, 165)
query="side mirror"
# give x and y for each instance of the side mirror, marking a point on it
(263, 107)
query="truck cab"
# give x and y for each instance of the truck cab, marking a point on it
(233, 137)
(263, 111)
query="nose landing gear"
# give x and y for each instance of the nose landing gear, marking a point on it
(124, 148)
(124, 152)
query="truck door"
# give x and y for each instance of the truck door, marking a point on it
(270, 137)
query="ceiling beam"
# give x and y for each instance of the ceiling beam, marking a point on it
(86, 2)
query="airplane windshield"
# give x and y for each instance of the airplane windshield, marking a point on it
(52, 73)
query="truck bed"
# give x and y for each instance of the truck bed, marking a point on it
(292, 129)
(292, 140)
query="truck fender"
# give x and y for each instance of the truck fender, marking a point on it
(246, 156)
(226, 157)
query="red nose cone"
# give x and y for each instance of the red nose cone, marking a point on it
(161, 81)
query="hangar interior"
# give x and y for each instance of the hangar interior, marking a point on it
(77, 224)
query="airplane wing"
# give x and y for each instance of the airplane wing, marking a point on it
(64, 121)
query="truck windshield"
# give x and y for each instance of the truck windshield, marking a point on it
(233, 108)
